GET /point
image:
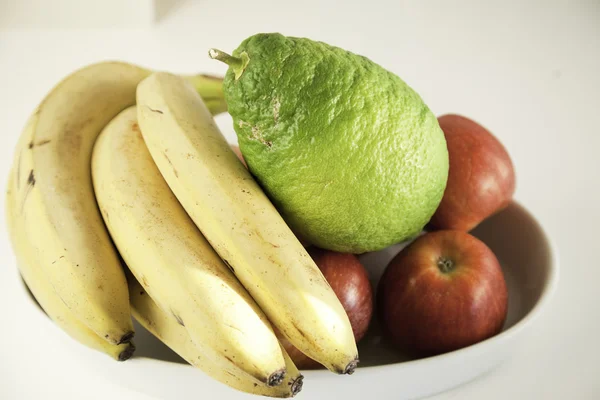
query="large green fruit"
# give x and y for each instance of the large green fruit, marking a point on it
(348, 152)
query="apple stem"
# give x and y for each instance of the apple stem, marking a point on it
(445, 265)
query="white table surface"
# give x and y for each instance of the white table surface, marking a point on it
(529, 72)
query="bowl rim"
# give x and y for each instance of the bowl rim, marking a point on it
(548, 290)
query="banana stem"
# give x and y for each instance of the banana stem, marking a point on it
(238, 64)
(210, 88)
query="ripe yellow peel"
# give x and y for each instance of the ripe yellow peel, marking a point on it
(177, 266)
(151, 317)
(43, 292)
(240, 222)
(54, 196)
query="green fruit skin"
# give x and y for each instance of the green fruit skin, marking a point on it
(349, 154)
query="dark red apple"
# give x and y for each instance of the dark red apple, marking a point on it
(350, 282)
(443, 292)
(481, 178)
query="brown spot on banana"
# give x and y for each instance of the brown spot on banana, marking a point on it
(38, 144)
(177, 318)
(155, 111)
(53, 262)
(234, 328)
(229, 265)
(105, 214)
(30, 185)
(171, 164)
(31, 179)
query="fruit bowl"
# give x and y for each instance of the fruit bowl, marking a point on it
(529, 262)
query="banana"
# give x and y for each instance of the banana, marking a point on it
(240, 222)
(168, 254)
(167, 330)
(44, 293)
(55, 200)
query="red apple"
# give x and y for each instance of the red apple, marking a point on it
(350, 282)
(481, 178)
(443, 292)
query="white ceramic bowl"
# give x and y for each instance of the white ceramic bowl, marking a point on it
(530, 265)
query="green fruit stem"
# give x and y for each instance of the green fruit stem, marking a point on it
(238, 64)
(210, 88)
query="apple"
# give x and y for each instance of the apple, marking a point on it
(481, 178)
(443, 292)
(350, 282)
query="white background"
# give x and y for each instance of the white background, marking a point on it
(528, 70)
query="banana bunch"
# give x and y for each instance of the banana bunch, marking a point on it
(119, 163)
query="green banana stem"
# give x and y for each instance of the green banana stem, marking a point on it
(210, 88)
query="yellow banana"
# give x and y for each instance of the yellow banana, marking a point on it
(166, 329)
(44, 293)
(240, 222)
(168, 254)
(55, 200)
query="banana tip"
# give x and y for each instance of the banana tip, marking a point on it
(296, 385)
(127, 353)
(351, 367)
(276, 378)
(126, 337)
